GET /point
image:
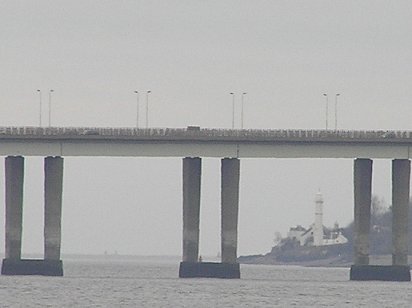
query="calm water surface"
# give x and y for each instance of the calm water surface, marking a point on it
(143, 283)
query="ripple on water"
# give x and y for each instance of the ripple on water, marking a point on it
(145, 284)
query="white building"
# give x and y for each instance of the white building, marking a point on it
(317, 234)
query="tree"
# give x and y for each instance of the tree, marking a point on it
(380, 236)
(277, 238)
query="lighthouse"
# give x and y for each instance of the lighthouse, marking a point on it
(318, 226)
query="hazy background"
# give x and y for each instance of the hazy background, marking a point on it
(191, 54)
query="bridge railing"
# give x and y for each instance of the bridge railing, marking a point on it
(206, 133)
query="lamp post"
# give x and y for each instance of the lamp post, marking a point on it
(147, 108)
(233, 109)
(50, 98)
(241, 114)
(40, 106)
(137, 108)
(327, 109)
(336, 110)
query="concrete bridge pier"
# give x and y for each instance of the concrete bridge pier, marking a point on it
(230, 172)
(362, 215)
(190, 266)
(53, 191)
(399, 270)
(14, 171)
(192, 170)
(401, 172)
(13, 264)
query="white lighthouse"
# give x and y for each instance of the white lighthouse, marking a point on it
(318, 226)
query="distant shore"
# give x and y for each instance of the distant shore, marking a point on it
(327, 262)
(336, 261)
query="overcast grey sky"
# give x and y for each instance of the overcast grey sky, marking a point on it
(191, 54)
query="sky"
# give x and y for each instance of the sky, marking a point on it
(191, 54)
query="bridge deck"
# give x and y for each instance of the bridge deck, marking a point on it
(193, 141)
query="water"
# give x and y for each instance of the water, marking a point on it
(145, 283)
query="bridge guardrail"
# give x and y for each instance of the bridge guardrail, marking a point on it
(204, 134)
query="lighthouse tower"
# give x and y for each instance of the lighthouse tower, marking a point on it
(318, 226)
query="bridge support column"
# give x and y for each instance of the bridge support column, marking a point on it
(192, 169)
(362, 214)
(14, 171)
(53, 190)
(361, 270)
(228, 268)
(230, 208)
(401, 170)
(362, 179)
(51, 265)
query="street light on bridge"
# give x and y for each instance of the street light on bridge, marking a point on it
(147, 108)
(50, 98)
(40, 106)
(233, 109)
(336, 110)
(327, 109)
(241, 114)
(137, 108)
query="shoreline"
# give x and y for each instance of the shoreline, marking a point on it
(327, 262)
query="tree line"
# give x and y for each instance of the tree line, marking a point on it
(380, 236)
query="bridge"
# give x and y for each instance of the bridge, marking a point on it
(191, 144)
(196, 142)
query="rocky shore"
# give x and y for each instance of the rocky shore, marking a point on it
(336, 261)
